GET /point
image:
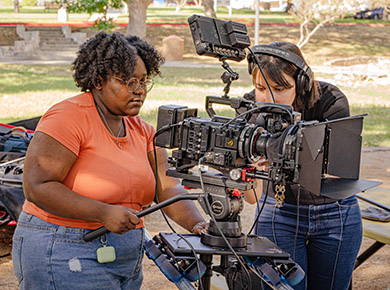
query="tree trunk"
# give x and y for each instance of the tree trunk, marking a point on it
(386, 13)
(289, 6)
(178, 7)
(209, 8)
(198, 3)
(137, 17)
(180, 4)
(16, 6)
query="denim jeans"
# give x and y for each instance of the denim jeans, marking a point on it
(49, 256)
(328, 240)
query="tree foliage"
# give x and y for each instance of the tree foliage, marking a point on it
(104, 22)
(314, 14)
(136, 8)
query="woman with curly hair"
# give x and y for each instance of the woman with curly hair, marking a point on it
(91, 164)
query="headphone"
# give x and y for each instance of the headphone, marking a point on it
(304, 79)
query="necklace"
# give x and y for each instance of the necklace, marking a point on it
(108, 127)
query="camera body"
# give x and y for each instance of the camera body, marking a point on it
(225, 143)
(231, 145)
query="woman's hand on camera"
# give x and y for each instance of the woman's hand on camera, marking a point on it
(200, 227)
(261, 164)
(119, 219)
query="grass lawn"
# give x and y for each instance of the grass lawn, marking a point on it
(28, 91)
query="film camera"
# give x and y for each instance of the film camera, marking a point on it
(322, 157)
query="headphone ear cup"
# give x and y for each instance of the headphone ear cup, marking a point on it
(250, 64)
(303, 83)
(309, 81)
(299, 83)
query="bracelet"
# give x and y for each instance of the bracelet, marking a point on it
(199, 224)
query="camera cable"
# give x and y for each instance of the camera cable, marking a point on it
(262, 73)
(259, 211)
(254, 110)
(197, 260)
(156, 174)
(297, 226)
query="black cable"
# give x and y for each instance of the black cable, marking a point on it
(254, 110)
(219, 229)
(5, 255)
(261, 210)
(239, 116)
(297, 227)
(257, 207)
(156, 174)
(262, 73)
(196, 260)
(161, 130)
(158, 132)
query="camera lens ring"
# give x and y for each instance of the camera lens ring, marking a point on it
(242, 142)
(252, 156)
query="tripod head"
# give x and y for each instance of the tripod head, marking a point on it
(222, 200)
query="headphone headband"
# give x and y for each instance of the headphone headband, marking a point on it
(304, 79)
(280, 53)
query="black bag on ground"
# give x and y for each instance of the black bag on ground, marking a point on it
(11, 188)
(14, 140)
(29, 124)
(12, 199)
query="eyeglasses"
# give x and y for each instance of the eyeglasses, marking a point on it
(134, 84)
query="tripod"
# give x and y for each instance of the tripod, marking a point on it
(176, 254)
(225, 239)
(271, 263)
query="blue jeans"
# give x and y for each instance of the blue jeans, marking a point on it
(49, 256)
(327, 243)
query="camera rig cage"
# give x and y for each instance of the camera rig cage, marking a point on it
(322, 157)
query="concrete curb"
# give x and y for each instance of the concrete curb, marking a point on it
(375, 149)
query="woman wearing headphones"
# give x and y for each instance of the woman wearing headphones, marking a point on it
(321, 234)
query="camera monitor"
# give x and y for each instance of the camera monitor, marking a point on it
(218, 38)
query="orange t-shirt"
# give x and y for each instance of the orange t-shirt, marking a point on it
(102, 171)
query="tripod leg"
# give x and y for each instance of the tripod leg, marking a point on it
(206, 279)
(270, 277)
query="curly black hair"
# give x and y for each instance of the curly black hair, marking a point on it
(103, 55)
(150, 56)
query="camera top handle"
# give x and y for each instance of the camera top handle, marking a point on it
(252, 107)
